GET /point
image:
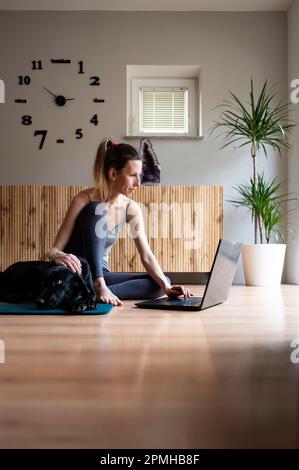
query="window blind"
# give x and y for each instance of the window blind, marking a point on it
(163, 110)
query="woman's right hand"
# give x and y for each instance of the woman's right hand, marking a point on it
(69, 260)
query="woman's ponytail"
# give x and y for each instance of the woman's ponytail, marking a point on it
(101, 186)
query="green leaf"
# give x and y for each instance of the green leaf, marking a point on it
(266, 200)
(261, 123)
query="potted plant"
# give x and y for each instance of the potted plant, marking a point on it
(267, 203)
(260, 124)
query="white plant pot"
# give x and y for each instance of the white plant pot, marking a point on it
(263, 264)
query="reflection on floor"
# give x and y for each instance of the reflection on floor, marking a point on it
(136, 378)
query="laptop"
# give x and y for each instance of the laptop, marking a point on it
(218, 285)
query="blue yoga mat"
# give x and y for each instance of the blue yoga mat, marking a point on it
(31, 309)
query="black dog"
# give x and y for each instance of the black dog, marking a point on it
(50, 285)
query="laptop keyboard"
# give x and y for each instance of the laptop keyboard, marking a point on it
(185, 302)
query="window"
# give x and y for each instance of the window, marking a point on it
(163, 110)
(163, 106)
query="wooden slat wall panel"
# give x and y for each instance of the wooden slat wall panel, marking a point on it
(30, 217)
(56, 201)
(22, 223)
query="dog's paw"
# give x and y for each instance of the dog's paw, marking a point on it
(78, 307)
(80, 304)
(91, 304)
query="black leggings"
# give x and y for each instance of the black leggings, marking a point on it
(86, 243)
(132, 285)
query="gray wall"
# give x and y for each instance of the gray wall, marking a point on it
(293, 161)
(230, 47)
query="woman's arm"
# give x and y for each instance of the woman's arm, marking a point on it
(135, 218)
(71, 261)
(56, 253)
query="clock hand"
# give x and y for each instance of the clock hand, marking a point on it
(55, 96)
(49, 91)
(60, 100)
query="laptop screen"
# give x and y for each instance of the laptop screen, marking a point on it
(222, 273)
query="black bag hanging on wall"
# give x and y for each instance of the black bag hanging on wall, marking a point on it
(151, 168)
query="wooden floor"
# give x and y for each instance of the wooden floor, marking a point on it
(155, 379)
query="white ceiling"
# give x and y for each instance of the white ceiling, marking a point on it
(148, 5)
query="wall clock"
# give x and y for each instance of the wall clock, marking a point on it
(59, 95)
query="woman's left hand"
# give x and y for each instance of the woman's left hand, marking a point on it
(177, 290)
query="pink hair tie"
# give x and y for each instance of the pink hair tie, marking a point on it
(114, 143)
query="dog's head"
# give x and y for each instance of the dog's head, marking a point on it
(62, 287)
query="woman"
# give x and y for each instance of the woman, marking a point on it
(93, 222)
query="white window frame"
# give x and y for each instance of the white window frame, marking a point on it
(190, 83)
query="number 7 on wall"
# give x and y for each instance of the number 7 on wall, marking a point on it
(43, 133)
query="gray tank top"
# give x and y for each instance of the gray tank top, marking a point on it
(112, 236)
